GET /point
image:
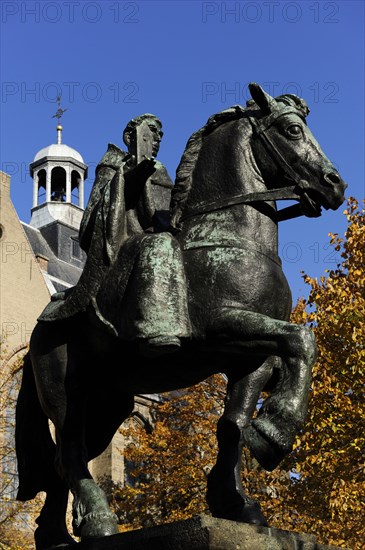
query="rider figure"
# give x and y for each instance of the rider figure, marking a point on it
(133, 281)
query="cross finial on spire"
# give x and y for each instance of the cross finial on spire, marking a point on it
(58, 115)
(59, 111)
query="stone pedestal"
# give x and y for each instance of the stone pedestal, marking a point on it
(206, 533)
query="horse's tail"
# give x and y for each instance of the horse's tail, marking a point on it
(35, 448)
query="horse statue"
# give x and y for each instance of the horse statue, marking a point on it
(224, 217)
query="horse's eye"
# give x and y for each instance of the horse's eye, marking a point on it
(294, 131)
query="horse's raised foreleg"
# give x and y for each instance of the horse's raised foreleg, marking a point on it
(225, 496)
(270, 436)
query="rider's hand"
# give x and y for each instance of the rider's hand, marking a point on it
(141, 171)
(135, 180)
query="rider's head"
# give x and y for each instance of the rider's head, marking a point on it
(155, 126)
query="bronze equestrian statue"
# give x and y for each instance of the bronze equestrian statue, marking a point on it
(186, 294)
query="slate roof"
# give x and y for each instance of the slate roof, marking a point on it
(61, 274)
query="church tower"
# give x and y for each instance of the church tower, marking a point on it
(58, 173)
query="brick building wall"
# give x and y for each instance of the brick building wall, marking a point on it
(23, 291)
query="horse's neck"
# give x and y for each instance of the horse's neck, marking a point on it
(226, 168)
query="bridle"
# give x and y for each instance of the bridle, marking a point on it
(290, 192)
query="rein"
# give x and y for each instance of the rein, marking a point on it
(284, 193)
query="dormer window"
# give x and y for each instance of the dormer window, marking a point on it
(75, 249)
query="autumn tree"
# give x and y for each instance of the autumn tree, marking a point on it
(329, 458)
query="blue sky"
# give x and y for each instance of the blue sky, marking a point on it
(183, 61)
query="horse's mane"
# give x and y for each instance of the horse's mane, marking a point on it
(185, 169)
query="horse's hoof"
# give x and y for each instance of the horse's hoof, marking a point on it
(96, 525)
(251, 513)
(267, 448)
(49, 539)
(245, 512)
(233, 505)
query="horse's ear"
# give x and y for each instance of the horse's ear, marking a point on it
(266, 103)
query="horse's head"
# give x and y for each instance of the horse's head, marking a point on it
(287, 153)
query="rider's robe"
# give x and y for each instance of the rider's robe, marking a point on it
(133, 282)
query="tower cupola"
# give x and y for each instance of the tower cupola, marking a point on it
(58, 173)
